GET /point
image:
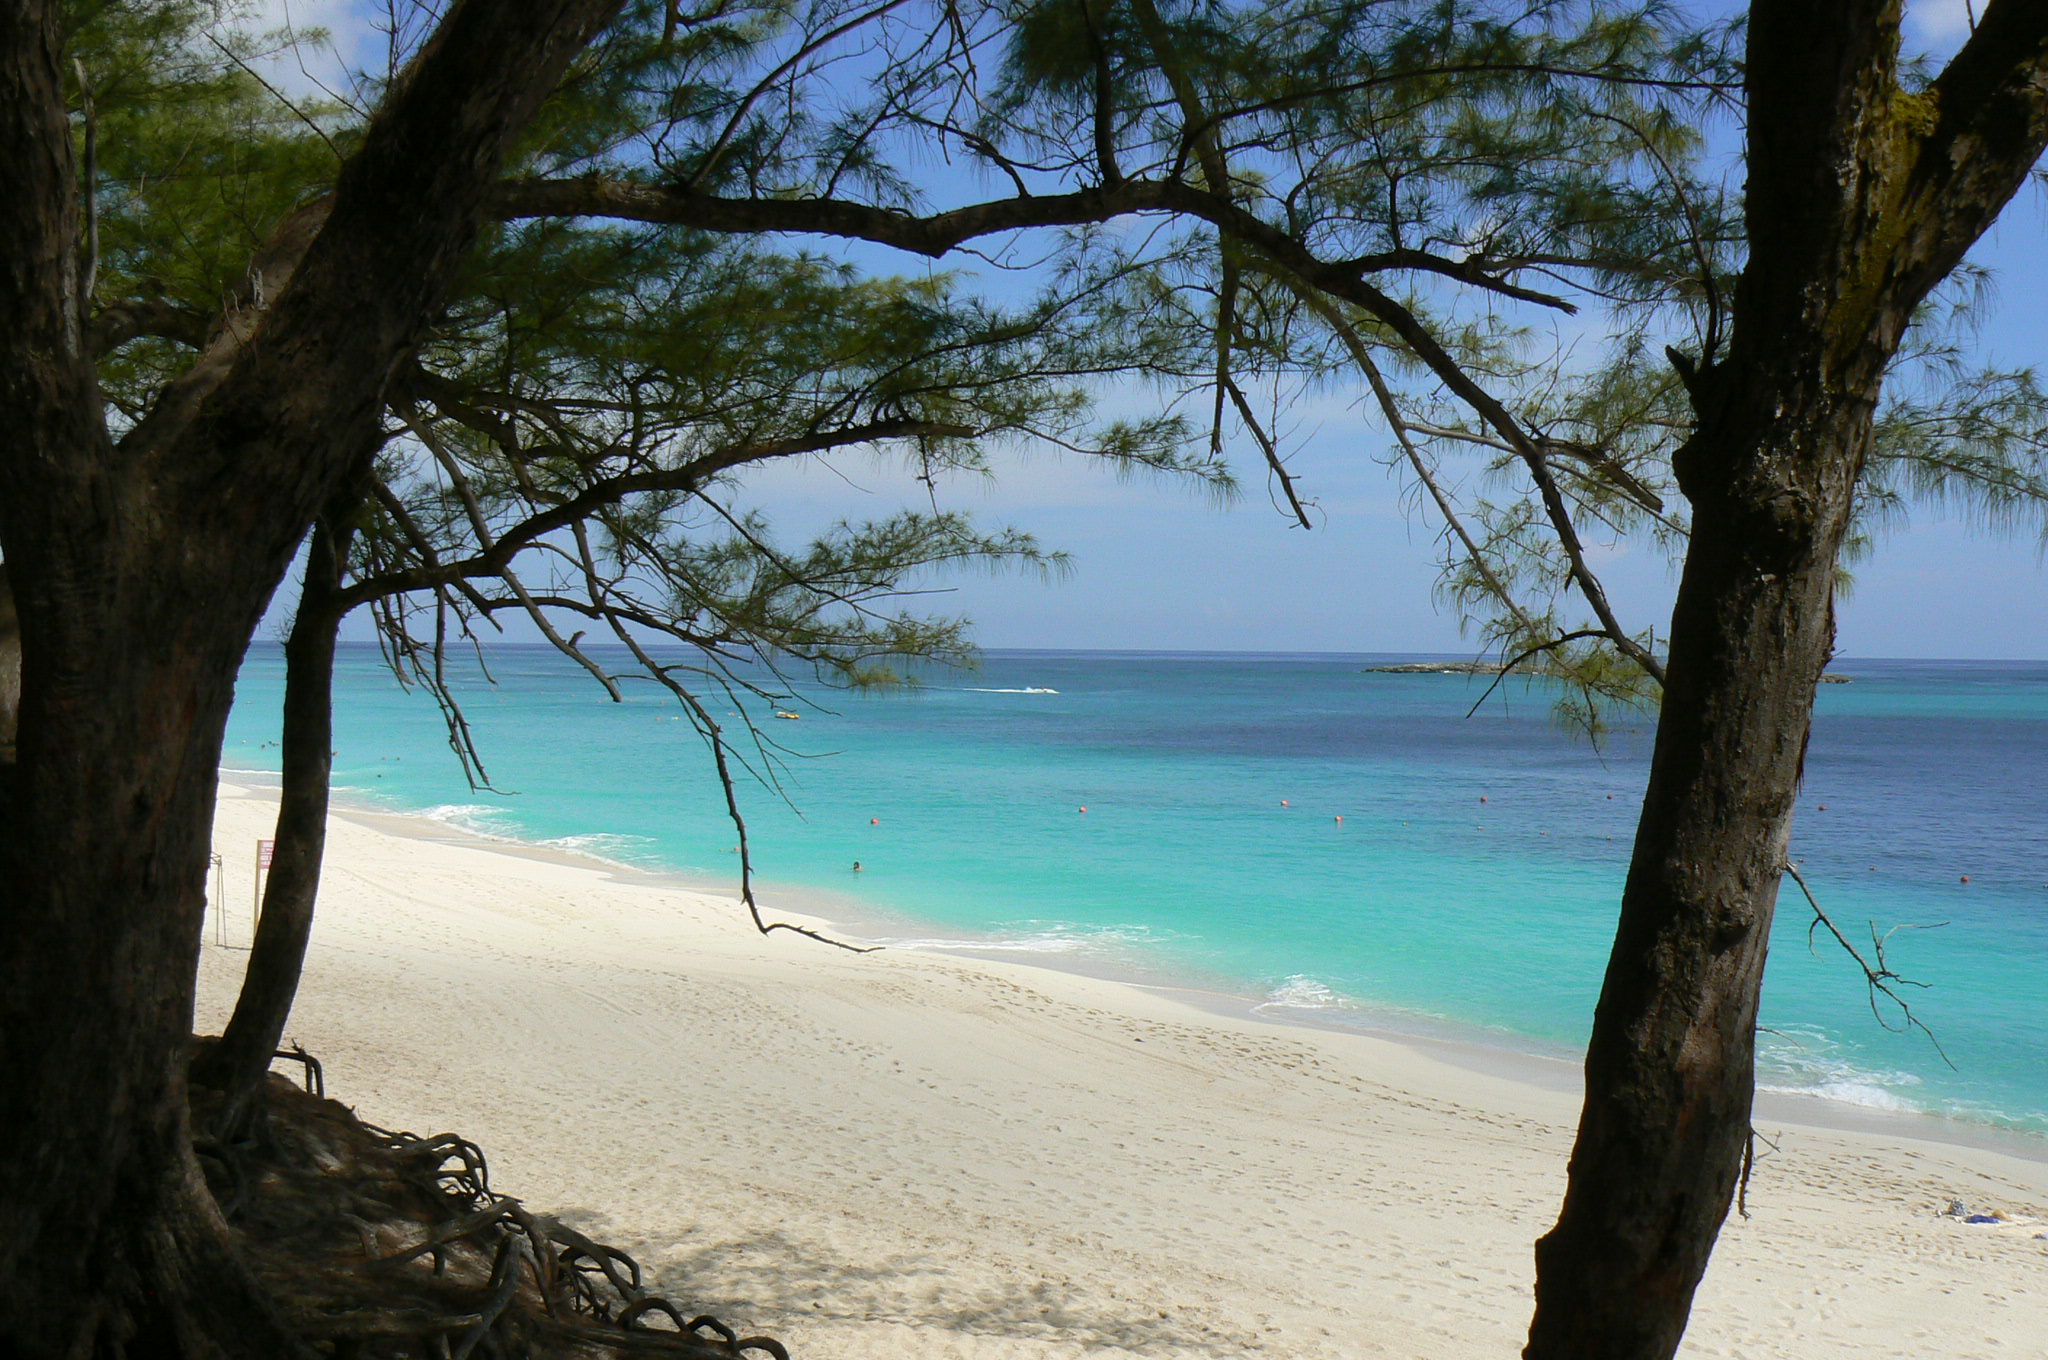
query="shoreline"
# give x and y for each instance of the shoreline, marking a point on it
(865, 922)
(913, 1153)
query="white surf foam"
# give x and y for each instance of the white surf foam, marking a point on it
(1304, 993)
(599, 842)
(1052, 938)
(1810, 1062)
(479, 819)
(618, 849)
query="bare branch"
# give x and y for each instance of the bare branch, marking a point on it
(1508, 666)
(90, 175)
(714, 737)
(1398, 422)
(1879, 977)
(1749, 1161)
(1267, 447)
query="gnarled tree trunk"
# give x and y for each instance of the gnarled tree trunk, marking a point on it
(108, 1238)
(139, 572)
(1861, 197)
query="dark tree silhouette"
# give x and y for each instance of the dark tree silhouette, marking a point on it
(140, 562)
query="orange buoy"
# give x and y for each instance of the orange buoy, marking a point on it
(874, 821)
(1283, 802)
(1482, 797)
(1340, 819)
(1823, 807)
(1084, 809)
(1966, 878)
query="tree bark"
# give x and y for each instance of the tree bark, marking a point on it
(1861, 197)
(1669, 1069)
(107, 1234)
(238, 1062)
(139, 574)
(10, 676)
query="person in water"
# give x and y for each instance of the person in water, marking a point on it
(856, 866)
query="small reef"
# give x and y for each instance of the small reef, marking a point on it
(1495, 668)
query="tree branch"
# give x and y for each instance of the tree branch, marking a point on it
(118, 323)
(1992, 101)
(936, 234)
(1879, 978)
(278, 421)
(1400, 425)
(1508, 666)
(90, 175)
(610, 491)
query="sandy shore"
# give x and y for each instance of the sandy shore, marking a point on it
(924, 1157)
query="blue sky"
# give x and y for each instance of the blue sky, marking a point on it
(1159, 567)
(1155, 565)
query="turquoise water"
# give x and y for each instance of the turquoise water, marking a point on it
(1468, 889)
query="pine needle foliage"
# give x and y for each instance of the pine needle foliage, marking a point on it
(572, 438)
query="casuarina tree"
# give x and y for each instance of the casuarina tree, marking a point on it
(174, 453)
(141, 555)
(1865, 188)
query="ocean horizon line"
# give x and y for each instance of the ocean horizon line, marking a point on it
(1243, 654)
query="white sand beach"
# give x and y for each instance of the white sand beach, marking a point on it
(925, 1157)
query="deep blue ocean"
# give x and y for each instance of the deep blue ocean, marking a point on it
(1469, 888)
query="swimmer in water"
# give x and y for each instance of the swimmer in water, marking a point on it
(856, 866)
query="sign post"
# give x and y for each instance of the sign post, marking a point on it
(217, 899)
(264, 851)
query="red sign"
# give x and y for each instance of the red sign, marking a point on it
(264, 850)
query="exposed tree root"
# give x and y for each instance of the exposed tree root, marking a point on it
(388, 1246)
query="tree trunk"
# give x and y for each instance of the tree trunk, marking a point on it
(108, 1238)
(1861, 197)
(236, 1064)
(10, 674)
(139, 573)
(1669, 1073)
(106, 1229)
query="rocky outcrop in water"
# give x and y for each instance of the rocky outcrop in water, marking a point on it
(1495, 668)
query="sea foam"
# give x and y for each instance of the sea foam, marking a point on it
(1304, 993)
(1809, 1062)
(478, 819)
(1046, 938)
(611, 847)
